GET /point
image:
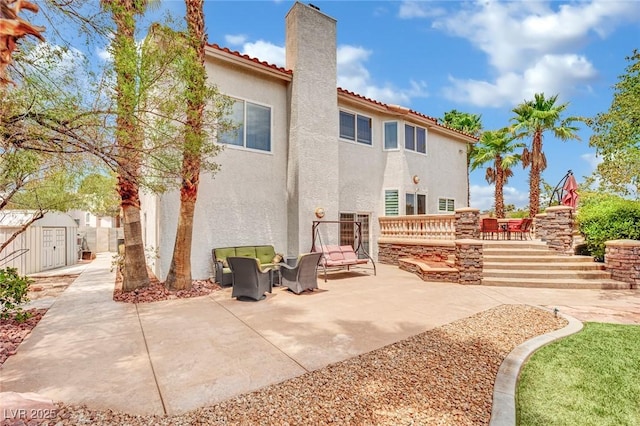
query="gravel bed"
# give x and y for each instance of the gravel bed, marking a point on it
(13, 332)
(444, 376)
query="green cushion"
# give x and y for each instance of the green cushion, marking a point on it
(246, 252)
(265, 254)
(223, 253)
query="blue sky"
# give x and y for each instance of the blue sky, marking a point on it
(480, 57)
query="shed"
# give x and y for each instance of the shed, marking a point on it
(48, 243)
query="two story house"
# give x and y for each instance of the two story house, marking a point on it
(306, 150)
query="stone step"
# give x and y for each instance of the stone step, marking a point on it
(524, 251)
(517, 257)
(526, 265)
(514, 245)
(546, 274)
(556, 283)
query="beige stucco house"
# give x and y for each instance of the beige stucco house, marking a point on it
(307, 145)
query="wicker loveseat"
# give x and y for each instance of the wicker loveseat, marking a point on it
(265, 254)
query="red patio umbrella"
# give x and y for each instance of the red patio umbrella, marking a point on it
(570, 188)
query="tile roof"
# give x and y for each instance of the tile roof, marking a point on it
(249, 58)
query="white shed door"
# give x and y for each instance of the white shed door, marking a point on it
(53, 247)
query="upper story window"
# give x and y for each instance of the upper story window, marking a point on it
(355, 127)
(415, 203)
(391, 135)
(415, 138)
(446, 205)
(254, 126)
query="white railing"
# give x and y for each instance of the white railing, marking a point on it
(424, 227)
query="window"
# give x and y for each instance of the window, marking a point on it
(355, 127)
(391, 202)
(391, 135)
(348, 234)
(415, 204)
(254, 126)
(415, 138)
(446, 205)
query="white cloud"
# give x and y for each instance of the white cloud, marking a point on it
(550, 74)
(483, 197)
(235, 40)
(104, 54)
(353, 74)
(592, 159)
(265, 51)
(531, 46)
(414, 9)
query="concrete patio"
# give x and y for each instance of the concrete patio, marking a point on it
(173, 356)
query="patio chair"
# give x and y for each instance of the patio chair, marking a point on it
(248, 280)
(490, 226)
(304, 275)
(524, 230)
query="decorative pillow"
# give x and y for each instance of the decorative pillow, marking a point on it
(277, 258)
(224, 262)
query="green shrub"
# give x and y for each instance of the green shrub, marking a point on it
(13, 292)
(605, 217)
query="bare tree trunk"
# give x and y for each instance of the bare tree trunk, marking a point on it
(180, 272)
(179, 276)
(129, 141)
(499, 190)
(534, 175)
(134, 272)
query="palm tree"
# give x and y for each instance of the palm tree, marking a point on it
(532, 119)
(128, 136)
(179, 276)
(467, 123)
(497, 146)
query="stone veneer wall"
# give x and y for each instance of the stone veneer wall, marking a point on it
(467, 223)
(389, 251)
(555, 227)
(469, 261)
(622, 259)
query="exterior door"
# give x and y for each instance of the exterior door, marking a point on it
(348, 234)
(53, 248)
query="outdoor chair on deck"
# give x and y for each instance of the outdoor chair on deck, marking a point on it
(523, 229)
(490, 226)
(248, 280)
(303, 276)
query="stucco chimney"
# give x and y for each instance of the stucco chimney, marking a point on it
(312, 180)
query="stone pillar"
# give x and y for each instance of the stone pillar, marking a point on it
(622, 259)
(467, 223)
(556, 228)
(539, 226)
(469, 261)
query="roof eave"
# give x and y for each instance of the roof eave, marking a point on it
(248, 63)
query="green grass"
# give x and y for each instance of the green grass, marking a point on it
(589, 378)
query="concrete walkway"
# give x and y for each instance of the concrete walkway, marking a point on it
(174, 356)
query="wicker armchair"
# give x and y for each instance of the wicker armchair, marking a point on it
(303, 276)
(248, 280)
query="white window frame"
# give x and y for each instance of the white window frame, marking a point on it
(397, 207)
(244, 127)
(415, 196)
(384, 135)
(356, 138)
(416, 129)
(447, 201)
